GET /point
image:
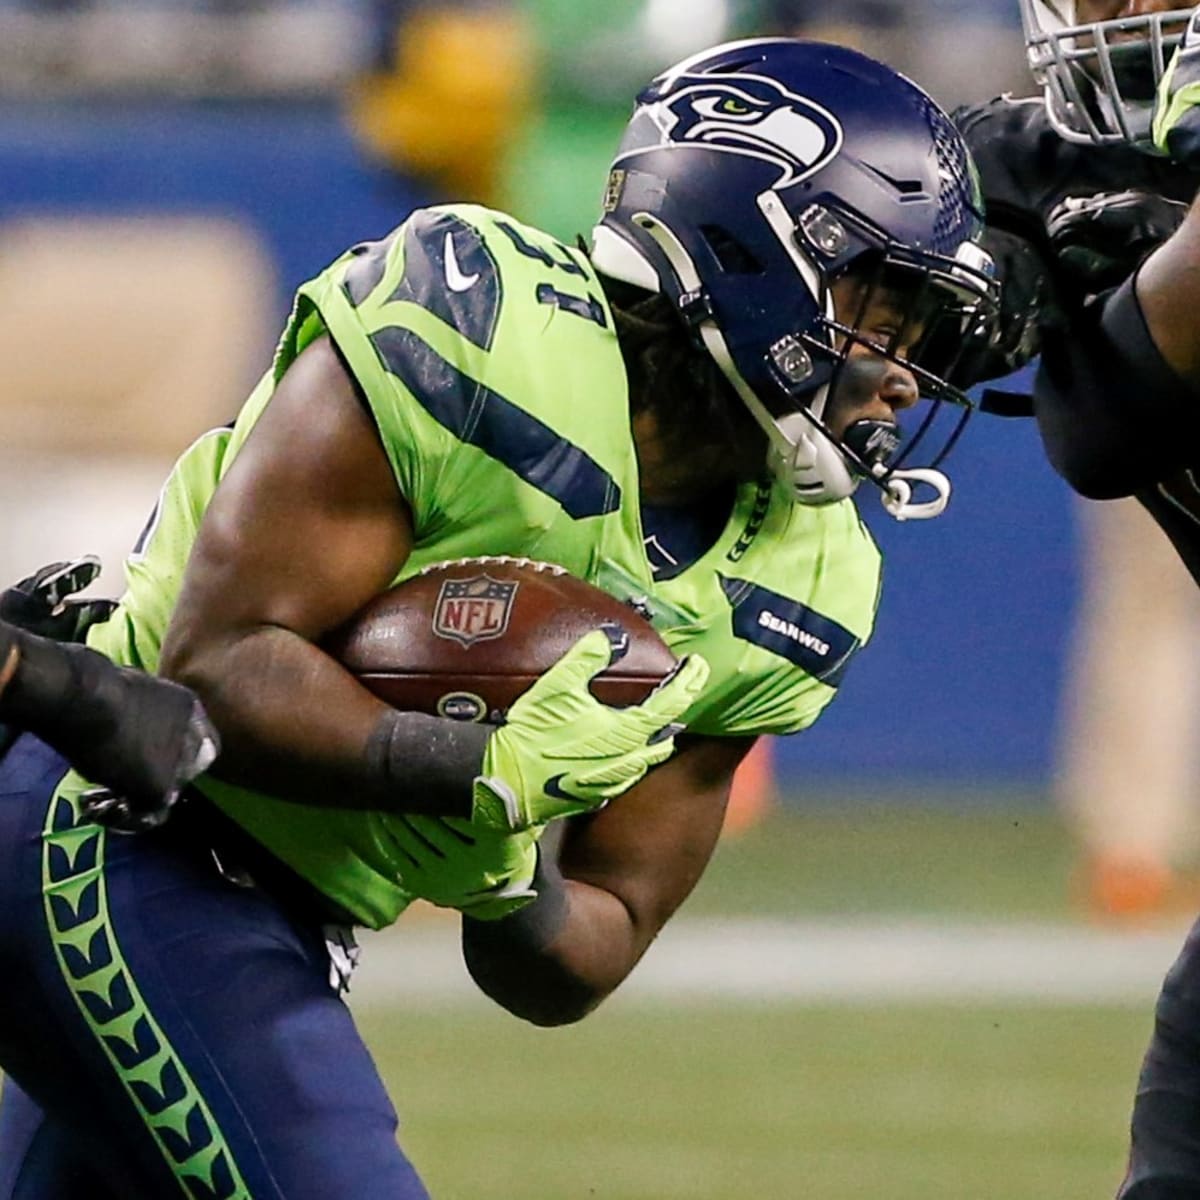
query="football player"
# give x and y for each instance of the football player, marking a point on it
(785, 270)
(1077, 200)
(1151, 331)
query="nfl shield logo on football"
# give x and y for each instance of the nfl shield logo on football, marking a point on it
(473, 610)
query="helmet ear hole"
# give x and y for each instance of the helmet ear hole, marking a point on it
(734, 257)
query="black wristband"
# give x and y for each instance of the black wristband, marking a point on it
(423, 764)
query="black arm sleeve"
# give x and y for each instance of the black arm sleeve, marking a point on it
(512, 961)
(1111, 412)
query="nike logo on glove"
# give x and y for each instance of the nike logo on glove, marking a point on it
(553, 787)
(456, 280)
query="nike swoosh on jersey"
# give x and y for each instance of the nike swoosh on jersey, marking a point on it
(456, 280)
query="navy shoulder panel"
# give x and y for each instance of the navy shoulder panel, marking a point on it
(815, 643)
(450, 272)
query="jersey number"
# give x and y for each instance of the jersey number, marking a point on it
(589, 308)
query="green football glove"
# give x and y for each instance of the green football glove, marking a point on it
(453, 863)
(1176, 127)
(563, 752)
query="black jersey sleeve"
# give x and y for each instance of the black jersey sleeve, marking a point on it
(1111, 412)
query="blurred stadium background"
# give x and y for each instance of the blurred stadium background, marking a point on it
(883, 988)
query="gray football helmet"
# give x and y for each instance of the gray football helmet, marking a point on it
(1099, 77)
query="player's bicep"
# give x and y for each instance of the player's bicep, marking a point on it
(649, 847)
(308, 524)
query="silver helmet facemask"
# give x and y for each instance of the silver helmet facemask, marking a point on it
(1099, 78)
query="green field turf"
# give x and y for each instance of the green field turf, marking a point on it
(1009, 859)
(775, 1102)
(767, 1103)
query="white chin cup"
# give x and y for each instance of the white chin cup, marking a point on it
(808, 464)
(815, 471)
(898, 490)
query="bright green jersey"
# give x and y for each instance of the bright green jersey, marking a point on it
(487, 355)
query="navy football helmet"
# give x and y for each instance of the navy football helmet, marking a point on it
(1099, 77)
(752, 177)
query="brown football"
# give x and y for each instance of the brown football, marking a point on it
(464, 639)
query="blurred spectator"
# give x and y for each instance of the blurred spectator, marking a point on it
(154, 48)
(864, 14)
(451, 85)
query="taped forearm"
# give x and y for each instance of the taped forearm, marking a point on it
(424, 764)
(1107, 404)
(57, 691)
(140, 736)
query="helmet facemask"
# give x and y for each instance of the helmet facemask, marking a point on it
(888, 308)
(1099, 78)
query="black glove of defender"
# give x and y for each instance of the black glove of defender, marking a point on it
(1090, 244)
(1099, 241)
(41, 604)
(143, 739)
(1025, 303)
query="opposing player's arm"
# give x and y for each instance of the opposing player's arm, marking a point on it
(607, 889)
(1168, 285)
(1125, 374)
(1168, 289)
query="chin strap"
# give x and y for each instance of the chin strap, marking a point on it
(805, 458)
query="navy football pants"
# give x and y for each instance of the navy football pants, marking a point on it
(1164, 1160)
(165, 1032)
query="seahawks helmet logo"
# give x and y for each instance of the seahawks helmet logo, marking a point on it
(755, 118)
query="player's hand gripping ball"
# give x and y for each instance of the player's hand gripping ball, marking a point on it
(587, 694)
(562, 752)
